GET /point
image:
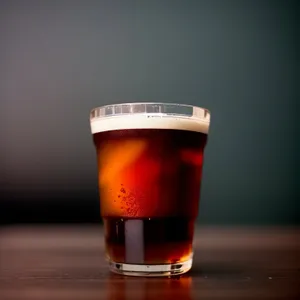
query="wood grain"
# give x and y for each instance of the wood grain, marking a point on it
(229, 263)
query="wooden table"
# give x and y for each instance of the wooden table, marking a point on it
(229, 263)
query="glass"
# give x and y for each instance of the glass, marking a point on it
(150, 158)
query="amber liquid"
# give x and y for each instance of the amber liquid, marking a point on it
(149, 185)
(149, 240)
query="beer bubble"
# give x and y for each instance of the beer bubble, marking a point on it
(122, 190)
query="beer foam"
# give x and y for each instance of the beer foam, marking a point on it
(149, 121)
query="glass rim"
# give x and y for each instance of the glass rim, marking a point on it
(154, 108)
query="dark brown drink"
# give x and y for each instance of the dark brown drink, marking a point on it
(162, 240)
(149, 186)
(159, 186)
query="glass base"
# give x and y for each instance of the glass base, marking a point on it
(151, 270)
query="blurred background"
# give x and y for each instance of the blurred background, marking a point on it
(239, 59)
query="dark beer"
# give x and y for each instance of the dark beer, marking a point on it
(150, 158)
(162, 240)
(149, 178)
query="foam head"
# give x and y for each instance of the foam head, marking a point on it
(149, 116)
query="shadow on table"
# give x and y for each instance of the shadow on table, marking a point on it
(216, 270)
